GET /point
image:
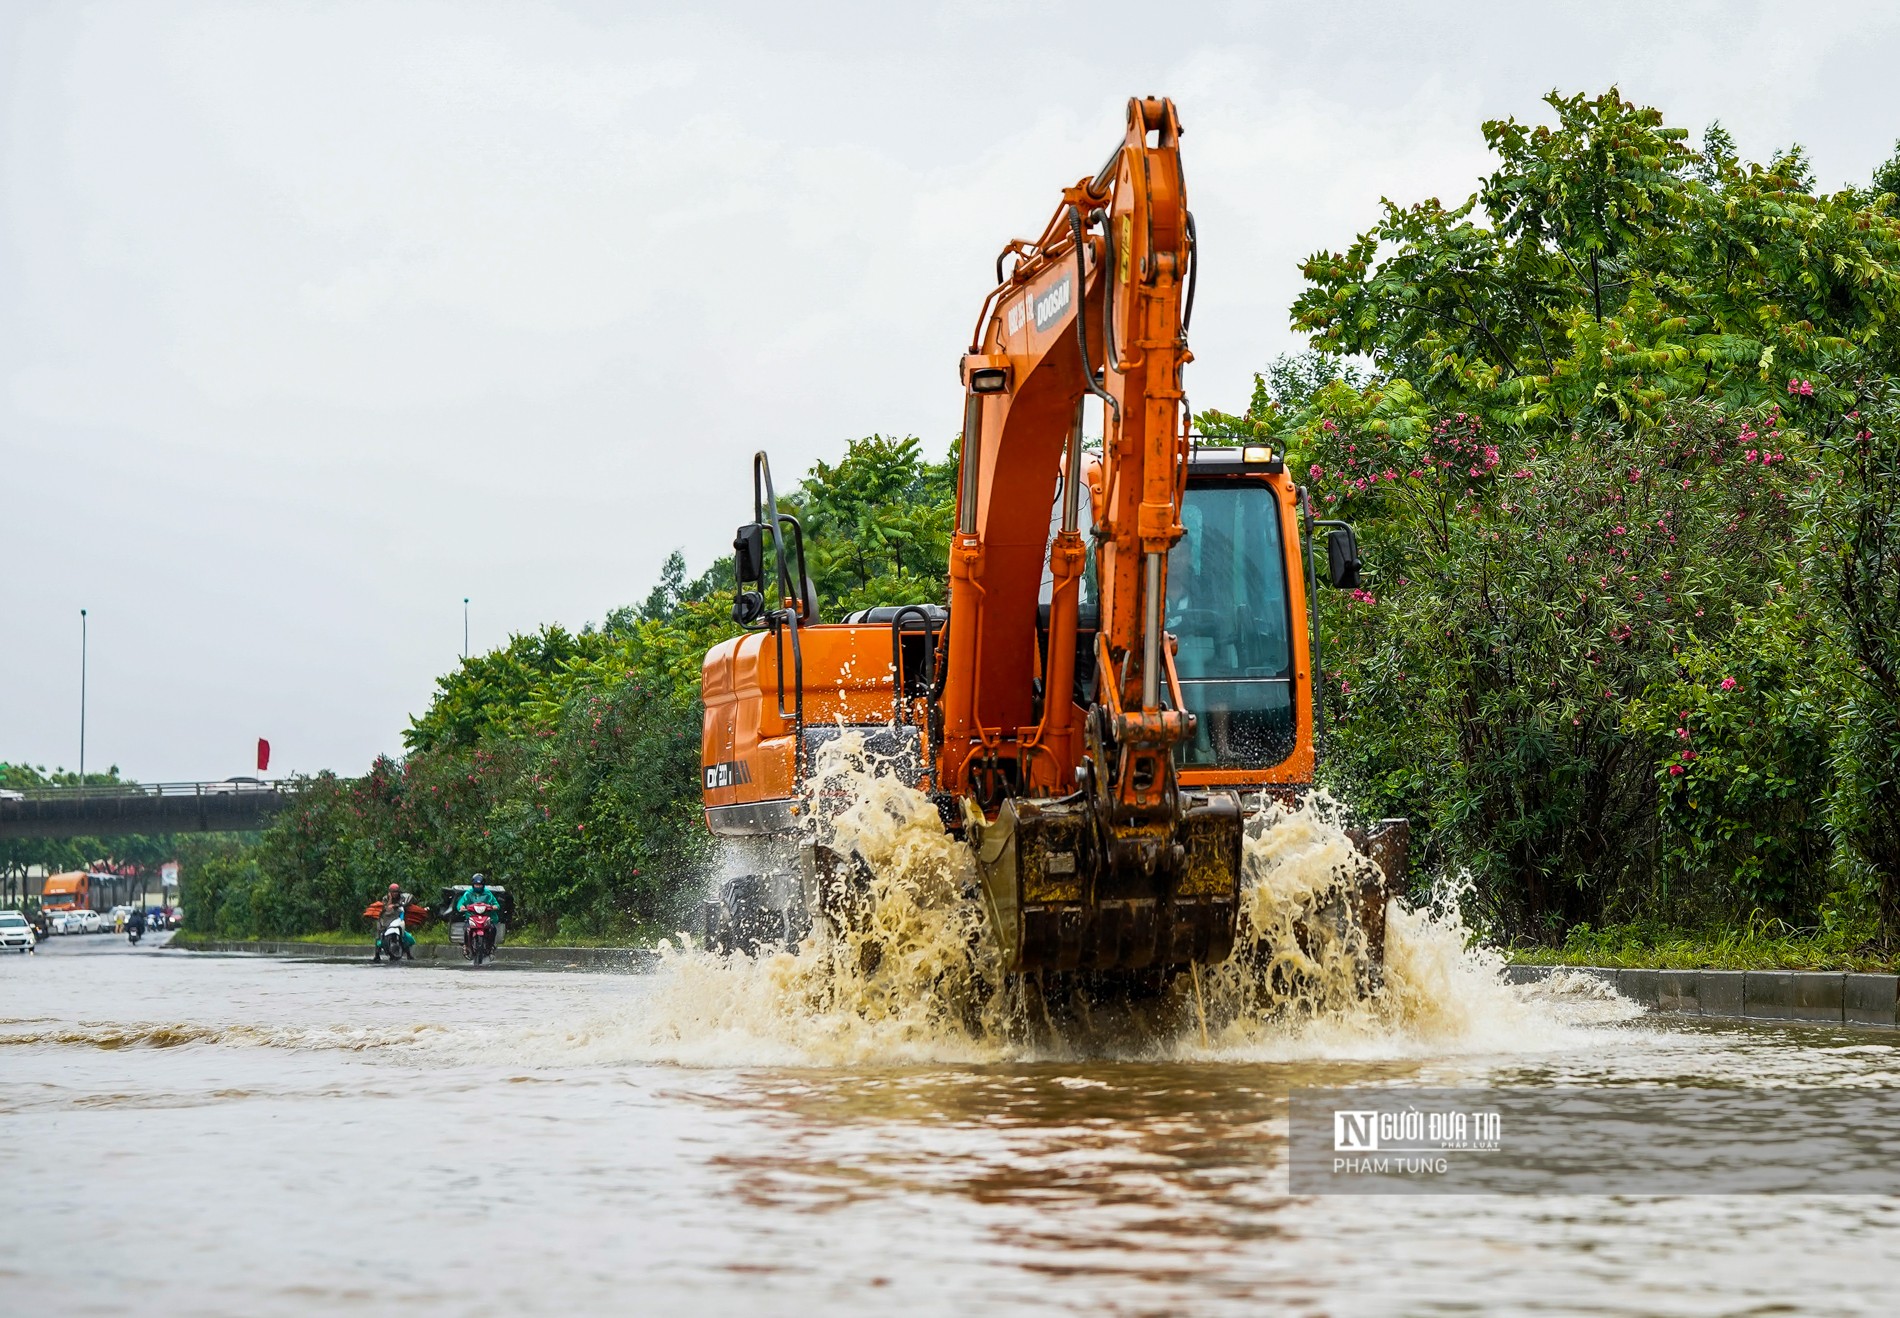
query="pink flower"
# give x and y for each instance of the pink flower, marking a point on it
(1675, 771)
(1316, 471)
(1344, 687)
(1728, 684)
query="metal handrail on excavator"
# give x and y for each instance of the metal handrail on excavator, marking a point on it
(899, 629)
(786, 618)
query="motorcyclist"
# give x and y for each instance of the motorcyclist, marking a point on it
(477, 892)
(135, 921)
(395, 906)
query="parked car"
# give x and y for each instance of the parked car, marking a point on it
(8, 794)
(88, 922)
(16, 935)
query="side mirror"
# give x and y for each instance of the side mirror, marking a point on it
(1342, 558)
(748, 606)
(748, 554)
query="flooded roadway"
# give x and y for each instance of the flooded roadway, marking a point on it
(226, 1135)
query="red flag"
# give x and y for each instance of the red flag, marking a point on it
(263, 755)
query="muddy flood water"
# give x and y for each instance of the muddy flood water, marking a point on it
(186, 1133)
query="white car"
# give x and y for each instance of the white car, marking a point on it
(16, 935)
(8, 794)
(59, 922)
(230, 785)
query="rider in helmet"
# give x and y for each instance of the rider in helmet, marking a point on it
(477, 892)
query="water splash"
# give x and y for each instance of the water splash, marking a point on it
(915, 977)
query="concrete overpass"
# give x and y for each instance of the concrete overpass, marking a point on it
(231, 806)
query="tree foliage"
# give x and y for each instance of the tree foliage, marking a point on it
(1619, 435)
(1627, 596)
(566, 764)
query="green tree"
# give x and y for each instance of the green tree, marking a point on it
(1577, 377)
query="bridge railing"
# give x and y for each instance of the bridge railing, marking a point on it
(119, 791)
(120, 809)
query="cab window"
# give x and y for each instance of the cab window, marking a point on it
(1228, 609)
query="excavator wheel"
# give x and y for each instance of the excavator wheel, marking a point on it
(837, 891)
(749, 915)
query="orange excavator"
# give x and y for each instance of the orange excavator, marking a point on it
(1126, 654)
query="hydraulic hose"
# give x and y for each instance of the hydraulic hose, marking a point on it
(1081, 322)
(1194, 268)
(1109, 352)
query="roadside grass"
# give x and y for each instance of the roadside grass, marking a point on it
(1763, 944)
(436, 931)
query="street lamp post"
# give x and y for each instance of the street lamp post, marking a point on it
(82, 697)
(464, 629)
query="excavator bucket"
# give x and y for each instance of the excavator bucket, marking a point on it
(1066, 892)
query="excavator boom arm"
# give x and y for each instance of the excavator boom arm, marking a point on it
(1091, 854)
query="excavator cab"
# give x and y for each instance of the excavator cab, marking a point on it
(1236, 596)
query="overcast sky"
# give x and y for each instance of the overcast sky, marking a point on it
(316, 318)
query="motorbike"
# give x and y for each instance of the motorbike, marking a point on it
(390, 941)
(478, 938)
(133, 933)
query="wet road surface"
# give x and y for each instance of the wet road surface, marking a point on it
(198, 1134)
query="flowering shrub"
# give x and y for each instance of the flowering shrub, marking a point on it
(1742, 763)
(1528, 592)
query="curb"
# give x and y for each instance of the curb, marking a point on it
(445, 954)
(1824, 996)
